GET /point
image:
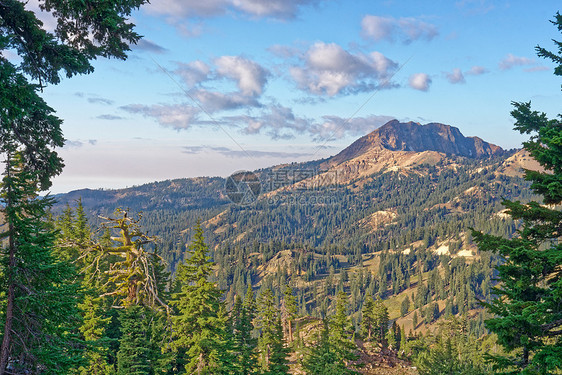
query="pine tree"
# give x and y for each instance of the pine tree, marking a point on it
(41, 293)
(289, 311)
(380, 314)
(73, 240)
(28, 124)
(405, 306)
(368, 319)
(133, 357)
(390, 338)
(197, 326)
(278, 361)
(270, 343)
(245, 343)
(340, 330)
(402, 339)
(322, 359)
(528, 311)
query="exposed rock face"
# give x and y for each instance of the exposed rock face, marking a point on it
(411, 136)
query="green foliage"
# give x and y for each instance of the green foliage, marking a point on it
(73, 240)
(368, 319)
(322, 358)
(556, 57)
(244, 345)
(133, 357)
(28, 124)
(41, 319)
(197, 325)
(405, 306)
(341, 331)
(528, 312)
(272, 353)
(278, 363)
(289, 311)
(450, 351)
(380, 319)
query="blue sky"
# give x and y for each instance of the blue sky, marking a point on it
(218, 86)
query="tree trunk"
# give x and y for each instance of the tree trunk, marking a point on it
(290, 323)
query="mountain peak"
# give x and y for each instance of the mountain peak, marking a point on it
(412, 136)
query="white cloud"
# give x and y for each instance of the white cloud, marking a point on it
(216, 101)
(176, 116)
(511, 61)
(338, 127)
(420, 81)
(477, 70)
(109, 117)
(406, 29)
(281, 9)
(10, 55)
(278, 121)
(330, 70)
(455, 76)
(283, 51)
(98, 100)
(250, 76)
(237, 153)
(539, 68)
(180, 12)
(193, 72)
(149, 46)
(79, 143)
(175, 10)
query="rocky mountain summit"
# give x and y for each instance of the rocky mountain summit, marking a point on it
(412, 136)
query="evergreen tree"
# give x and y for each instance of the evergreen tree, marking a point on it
(341, 331)
(289, 311)
(380, 314)
(197, 326)
(391, 339)
(244, 343)
(368, 319)
(278, 361)
(405, 306)
(73, 241)
(28, 126)
(402, 339)
(528, 311)
(451, 351)
(322, 359)
(133, 357)
(270, 344)
(41, 319)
